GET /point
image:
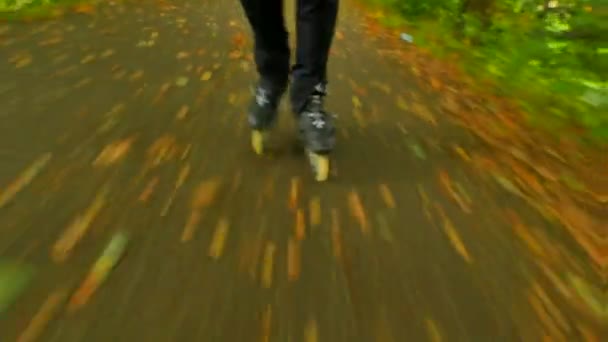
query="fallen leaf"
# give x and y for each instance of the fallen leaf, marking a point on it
(206, 76)
(266, 324)
(311, 334)
(191, 224)
(64, 246)
(433, 331)
(315, 211)
(182, 55)
(84, 8)
(148, 190)
(23, 179)
(182, 112)
(294, 192)
(206, 193)
(293, 260)
(453, 236)
(181, 81)
(219, 239)
(356, 102)
(446, 183)
(424, 113)
(43, 316)
(300, 228)
(387, 196)
(236, 54)
(110, 256)
(114, 152)
(87, 59)
(357, 211)
(268, 265)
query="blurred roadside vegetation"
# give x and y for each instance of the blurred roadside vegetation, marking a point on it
(551, 55)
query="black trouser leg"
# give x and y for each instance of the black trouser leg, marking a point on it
(271, 40)
(316, 22)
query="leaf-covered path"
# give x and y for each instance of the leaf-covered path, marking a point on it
(131, 119)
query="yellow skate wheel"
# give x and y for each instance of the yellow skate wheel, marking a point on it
(320, 166)
(257, 141)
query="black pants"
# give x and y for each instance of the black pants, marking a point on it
(316, 21)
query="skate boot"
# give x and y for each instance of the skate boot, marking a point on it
(317, 133)
(262, 115)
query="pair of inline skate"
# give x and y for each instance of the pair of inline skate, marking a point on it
(316, 130)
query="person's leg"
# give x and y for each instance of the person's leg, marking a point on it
(271, 58)
(316, 22)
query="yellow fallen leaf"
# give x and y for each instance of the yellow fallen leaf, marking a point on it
(311, 334)
(433, 331)
(219, 239)
(387, 196)
(357, 102)
(268, 265)
(206, 76)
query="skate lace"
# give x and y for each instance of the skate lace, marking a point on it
(316, 113)
(262, 97)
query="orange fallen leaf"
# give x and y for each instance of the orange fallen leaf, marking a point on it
(148, 190)
(114, 152)
(293, 260)
(446, 183)
(45, 314)
(84, 8)
(266, 324)
(182, 112)
(357, 211)
(79, 227)
(453, 236)
(294, 193)
(206, 192)
(300, 228)
(193, 220)
(236, 54)
(25, 178)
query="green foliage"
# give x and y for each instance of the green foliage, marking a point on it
(550, 54)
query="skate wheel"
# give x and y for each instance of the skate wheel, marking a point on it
(320, 166)
(257, 141)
